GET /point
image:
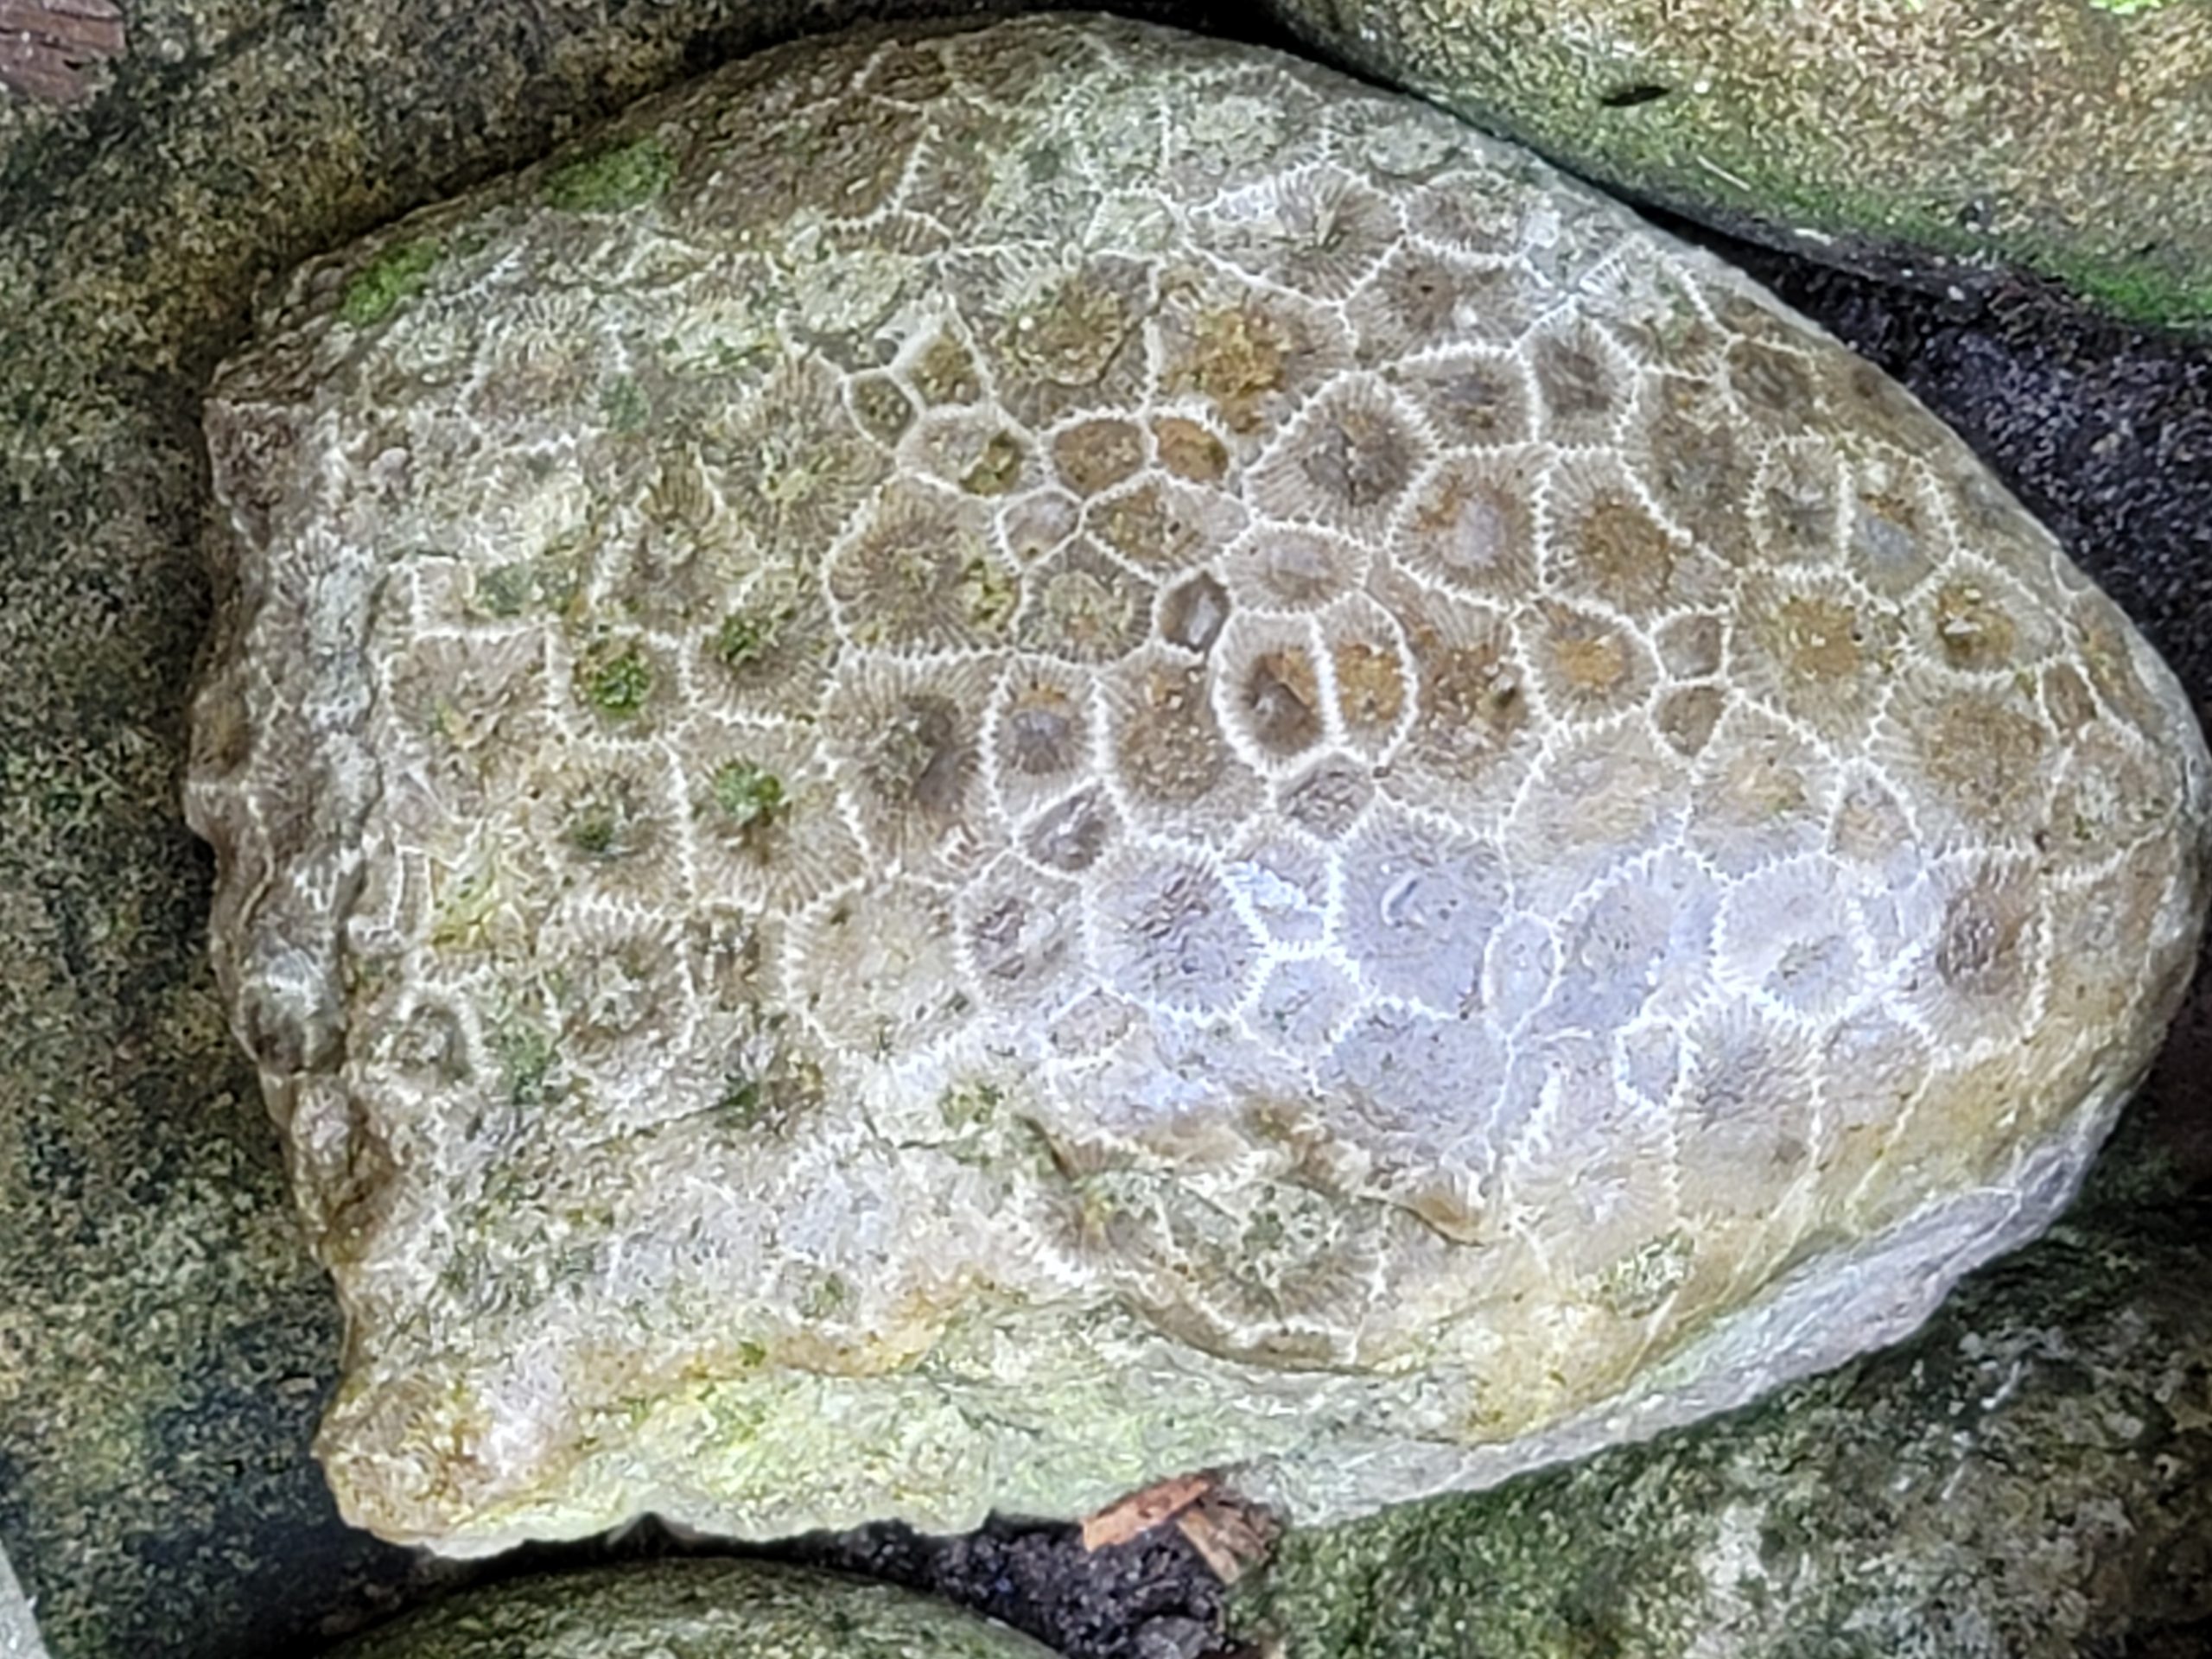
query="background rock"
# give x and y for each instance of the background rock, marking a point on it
(2066, 136)
(2030, 1477)
(157, 1492)
(691, 1610)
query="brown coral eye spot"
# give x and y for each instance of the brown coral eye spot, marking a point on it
(1371, 686)
(901, 582)
(1072, 835)
(1772, 382)
(1042, 733)
(1194, 613)
(1346, 462)
(1617, 551)
(1328, 798)
(882, 408)
(1471, 399)
(1687, 717)
(1580, 386)
(1150, 527)
(1083, 606)
(1168, 748)
(1097, 454)
(920, 756)
(1817, 639)
(1234, 357)
(1979, 952)
(1071, 337)
(945, 373)
(1189, 450)
(1971, 628)
(1281, 701)
(1690, 646)
(1590, 663)
(1473, 526)
(1470, 707)
(996, 467)
(1986, 757)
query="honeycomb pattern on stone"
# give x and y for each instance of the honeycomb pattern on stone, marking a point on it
(1089, 754)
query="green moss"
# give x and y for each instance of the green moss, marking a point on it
(397, 273)
(597, 829)
(988, 593)
(612, 180)
(505, 589)
(748, 794)
(997, 469)
(625, 405)
(525, 1056)
(618, 685)
(969, 1105)
(747, 636)
(828, 1296)
(742, 1098)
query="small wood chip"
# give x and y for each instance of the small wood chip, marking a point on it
(1230, 1535)
(1143, 1509)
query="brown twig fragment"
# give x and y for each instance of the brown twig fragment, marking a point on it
(1229, 1535)
(46, 44)
(1143, 1509)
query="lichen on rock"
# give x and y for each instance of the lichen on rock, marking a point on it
(1969, 139)
(704, 1609)
(1021, 756)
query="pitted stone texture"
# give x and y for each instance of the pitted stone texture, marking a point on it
(700, 1609)
(998, 761)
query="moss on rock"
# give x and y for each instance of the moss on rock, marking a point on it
(2030, 1477)
(2061, 137)
(701, 1609)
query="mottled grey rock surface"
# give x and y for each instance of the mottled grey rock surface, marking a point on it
(2064, 136)
(2030, 1477)
(692, 1610)
(982, 764)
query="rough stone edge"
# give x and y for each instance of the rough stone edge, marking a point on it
(19, 1637)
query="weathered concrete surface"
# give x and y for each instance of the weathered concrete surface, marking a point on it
(165, 1338)
(2031, 1478)
(2065, 137)
(691, 1610)
(1236, 782)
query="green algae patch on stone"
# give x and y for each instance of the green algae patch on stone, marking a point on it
(2058, 137)
(612, 180)
(2030, 1476)
(397, 273)
(701, 1609)
(1496, 844)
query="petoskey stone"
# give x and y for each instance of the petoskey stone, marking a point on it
(986, 762)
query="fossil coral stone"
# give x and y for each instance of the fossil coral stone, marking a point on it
(988, 762)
